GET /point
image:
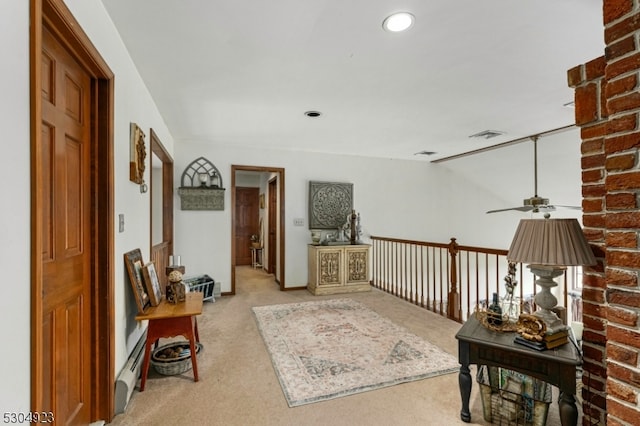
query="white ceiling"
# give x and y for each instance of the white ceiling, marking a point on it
(243, 72)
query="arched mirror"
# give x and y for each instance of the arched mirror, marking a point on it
(161, 206)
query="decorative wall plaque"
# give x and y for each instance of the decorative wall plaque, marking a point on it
(137, 155)
(329, 204)
(201, 186)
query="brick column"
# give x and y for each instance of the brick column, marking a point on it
(591, 115)
(607, 110)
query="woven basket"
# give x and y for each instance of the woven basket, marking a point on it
(170, 366)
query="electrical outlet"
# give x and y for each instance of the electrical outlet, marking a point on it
(298, 221)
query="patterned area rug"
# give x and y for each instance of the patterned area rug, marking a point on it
(332, 348)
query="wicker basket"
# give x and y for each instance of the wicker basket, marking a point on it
(172, 365)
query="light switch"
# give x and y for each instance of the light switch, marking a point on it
(121, 222)
(298, 221)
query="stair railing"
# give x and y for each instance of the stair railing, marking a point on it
(454, 280)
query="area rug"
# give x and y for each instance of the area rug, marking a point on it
(333, 348)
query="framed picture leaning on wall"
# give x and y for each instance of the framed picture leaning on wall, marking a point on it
(134, 264)
(152, 283)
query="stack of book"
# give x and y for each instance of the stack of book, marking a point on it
(539, 346)
(549, 341)
(559, 338)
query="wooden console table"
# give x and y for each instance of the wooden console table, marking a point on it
(481, 346)
(168, 320)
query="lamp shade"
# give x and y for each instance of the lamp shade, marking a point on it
(559, 242)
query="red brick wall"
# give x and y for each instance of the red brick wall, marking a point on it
(607, 110)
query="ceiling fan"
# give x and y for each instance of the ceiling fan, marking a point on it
(535, 204)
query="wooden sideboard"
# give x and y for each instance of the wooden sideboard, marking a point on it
(338, 268)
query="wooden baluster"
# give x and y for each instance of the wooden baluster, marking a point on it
(453, 305)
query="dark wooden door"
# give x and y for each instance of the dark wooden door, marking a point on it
(65, 185)
(247, 222)
(272, 228)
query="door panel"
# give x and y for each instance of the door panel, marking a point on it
(66, 243)
(272, 228)
(247, 222)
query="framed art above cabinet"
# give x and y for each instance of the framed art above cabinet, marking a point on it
(330, 203)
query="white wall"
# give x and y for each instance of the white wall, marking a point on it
(404, 199)
(14, 214)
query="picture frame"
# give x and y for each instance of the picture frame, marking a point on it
(152, 283)
(134, 265)
(137, 154)
(330, 203)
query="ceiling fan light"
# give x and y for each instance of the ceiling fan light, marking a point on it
(536, 201)
(397, 22)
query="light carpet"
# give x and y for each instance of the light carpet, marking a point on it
(333, 348)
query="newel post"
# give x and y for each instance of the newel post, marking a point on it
(453, 301)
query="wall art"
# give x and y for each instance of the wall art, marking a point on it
(137, 154)
(329, 204)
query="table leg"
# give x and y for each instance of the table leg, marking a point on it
(568, 410)
(145, 363)
(464, 380)
(193, 338)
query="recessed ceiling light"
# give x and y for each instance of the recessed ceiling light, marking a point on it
(425, 153)
(313, 114)
(397, 22)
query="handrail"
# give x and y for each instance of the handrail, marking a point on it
(454, 280)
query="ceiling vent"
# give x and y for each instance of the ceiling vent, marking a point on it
(487, 134)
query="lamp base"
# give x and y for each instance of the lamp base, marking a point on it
(544, 299)
(551, 321)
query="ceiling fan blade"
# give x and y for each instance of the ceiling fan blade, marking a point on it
(521, 209)
(569, 207)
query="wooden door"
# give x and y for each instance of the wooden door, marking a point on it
(65, 187)
(247, 222)
(272, 228)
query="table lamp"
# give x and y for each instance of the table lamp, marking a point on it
(549, 246)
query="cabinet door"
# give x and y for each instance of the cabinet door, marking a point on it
(330, 267)
(357, 265)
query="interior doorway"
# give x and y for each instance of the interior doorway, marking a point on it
(161, 222)
(273, 249)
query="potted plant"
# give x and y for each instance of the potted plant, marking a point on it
(255, 241)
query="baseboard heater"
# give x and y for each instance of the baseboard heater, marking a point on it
(128, 377)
